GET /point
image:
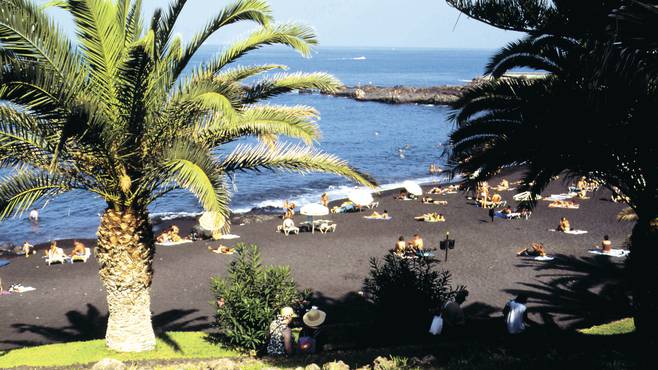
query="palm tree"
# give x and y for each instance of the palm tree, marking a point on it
(119, 115)
(592, 115)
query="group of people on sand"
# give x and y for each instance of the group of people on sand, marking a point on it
(563, 203)
(79, 250)
(404, 195)
(482, 194)
(281, 341)
(413, 248)
(444, 190)
(170, 235)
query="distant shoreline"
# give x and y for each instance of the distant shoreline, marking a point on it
(435, 95)
(432, 95)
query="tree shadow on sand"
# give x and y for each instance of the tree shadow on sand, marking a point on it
(577, 292)
(93, 325)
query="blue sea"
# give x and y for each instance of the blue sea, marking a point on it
(390, 142)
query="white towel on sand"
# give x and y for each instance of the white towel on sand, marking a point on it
(543, 258)
(377, 218)
(563, 196)
(572, 232)
(229, 236)
(612, 253)
(171, 244)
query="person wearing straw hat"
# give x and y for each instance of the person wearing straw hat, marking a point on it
(308, 338)
(281, 340)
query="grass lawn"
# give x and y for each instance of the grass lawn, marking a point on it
(177, 345)
(623, 326)
(194, 346)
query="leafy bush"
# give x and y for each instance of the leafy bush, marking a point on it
(407, 291)
(252, 296)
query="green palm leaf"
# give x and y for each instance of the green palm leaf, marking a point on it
(20, 191)
(301, 159)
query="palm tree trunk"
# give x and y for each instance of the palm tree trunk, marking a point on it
(644, 279)
(125, 254)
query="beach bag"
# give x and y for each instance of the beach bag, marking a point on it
(437, 325)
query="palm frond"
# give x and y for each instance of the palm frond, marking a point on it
(240, 73)
(267, 122)
(298, 37)
(20, 191)
(300, 159)
(286, 82)
(28, 33)
(241, 10)
(627, 214)
(102, 42)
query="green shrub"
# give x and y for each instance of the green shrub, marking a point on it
(252, 296)
(406, 292)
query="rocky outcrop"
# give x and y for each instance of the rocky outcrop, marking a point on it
(436, 95)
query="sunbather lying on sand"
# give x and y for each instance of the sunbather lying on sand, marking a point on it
(535, 250)
(378, 215)
(436, 190)
(344, 207)
(428, 200)
(563, 204)
(431, 217)
(222, 249)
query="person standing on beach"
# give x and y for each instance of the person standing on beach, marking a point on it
(492, 214)
(324, 199)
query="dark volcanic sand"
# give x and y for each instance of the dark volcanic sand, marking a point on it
(69, 303)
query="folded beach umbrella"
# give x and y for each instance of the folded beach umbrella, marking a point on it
(360, 197)
(211, 221)
(413, 188)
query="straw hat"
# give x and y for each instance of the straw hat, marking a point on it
(314, 317)
(287, 312)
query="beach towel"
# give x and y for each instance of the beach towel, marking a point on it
(563, 196)
(572, 232)
(572, 206)
(4, 292)
(229, 236)
(4, 262)
(508, 216)
(377, 218)
(613, 252)
(18, 288)
(543, 258)
(171, 244)
(431, 221)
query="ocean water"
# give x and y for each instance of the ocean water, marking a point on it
(392, 143)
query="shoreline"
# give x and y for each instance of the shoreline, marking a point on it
(265, 211)
(334, 265)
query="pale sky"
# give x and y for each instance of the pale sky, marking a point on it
(374, 23)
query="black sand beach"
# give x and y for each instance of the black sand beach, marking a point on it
(69, 302)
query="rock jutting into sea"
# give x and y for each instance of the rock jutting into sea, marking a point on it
(438, 95)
